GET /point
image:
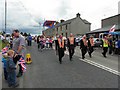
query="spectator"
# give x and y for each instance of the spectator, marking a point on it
(110, 44)
(29, 40)
(19, 47)
(50, 42)
(11, 69)
(118, 46)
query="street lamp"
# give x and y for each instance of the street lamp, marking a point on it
(5, 15)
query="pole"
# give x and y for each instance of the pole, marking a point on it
(5, 15)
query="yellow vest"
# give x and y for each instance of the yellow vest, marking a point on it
(105, 43)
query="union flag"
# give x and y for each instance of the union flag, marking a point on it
(112, 29)
(22, 62)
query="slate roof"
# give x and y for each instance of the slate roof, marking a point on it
(105, 29)
(69, 21)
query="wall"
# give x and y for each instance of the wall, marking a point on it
(79, 27)
(110, 21)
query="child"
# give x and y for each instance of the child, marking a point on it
(4, 60)
(11, 69)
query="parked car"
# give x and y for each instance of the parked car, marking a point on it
(77, 40)
(98, 42)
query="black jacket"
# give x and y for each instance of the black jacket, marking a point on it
(15, 59)
(82, 44)
(68, 43)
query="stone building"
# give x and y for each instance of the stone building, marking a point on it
(77, 26)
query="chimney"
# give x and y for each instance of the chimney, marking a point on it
(62, 20)
(77, 15)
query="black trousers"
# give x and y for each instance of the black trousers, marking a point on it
(83, 51)
(5, 74)
(29, 43)
(90, 50)
(71, 51)
(20, 69)
(60, 53)
(56, 45)
(118, 51)
(50, 45)
(105, 49)
(110, 49)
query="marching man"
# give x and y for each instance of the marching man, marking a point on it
(90, 46)
(105, 46)
(83, 46)
(71, 46)
(60, 48)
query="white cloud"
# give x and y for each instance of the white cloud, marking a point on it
(31, 12)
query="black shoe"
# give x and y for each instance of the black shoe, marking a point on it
(16, 85)
(5, 78)
(90, 56)
(60, 62)
(83, 57)
(105, 56)
(9, 85)
(71, 59)
(19, 74)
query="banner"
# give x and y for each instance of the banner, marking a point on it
(49, 23)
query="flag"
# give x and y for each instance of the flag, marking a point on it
(112, 29)
(22, 62)
(49, 23)
(4, 50)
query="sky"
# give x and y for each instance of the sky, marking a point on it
(28, 14)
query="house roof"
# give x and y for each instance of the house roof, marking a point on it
(86, 22)
(118, 15)
(69, 21)
(105, 29)
(65, 22)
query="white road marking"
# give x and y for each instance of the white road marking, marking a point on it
(100, 66)
(97, 65)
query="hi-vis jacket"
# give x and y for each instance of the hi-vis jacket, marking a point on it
(105, 43)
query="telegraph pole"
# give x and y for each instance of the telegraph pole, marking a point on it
(5, 15)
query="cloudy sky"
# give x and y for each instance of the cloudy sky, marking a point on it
(28, 13)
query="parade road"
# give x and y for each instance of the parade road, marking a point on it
(46, 72)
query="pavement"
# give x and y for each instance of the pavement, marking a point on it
(46, 72)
